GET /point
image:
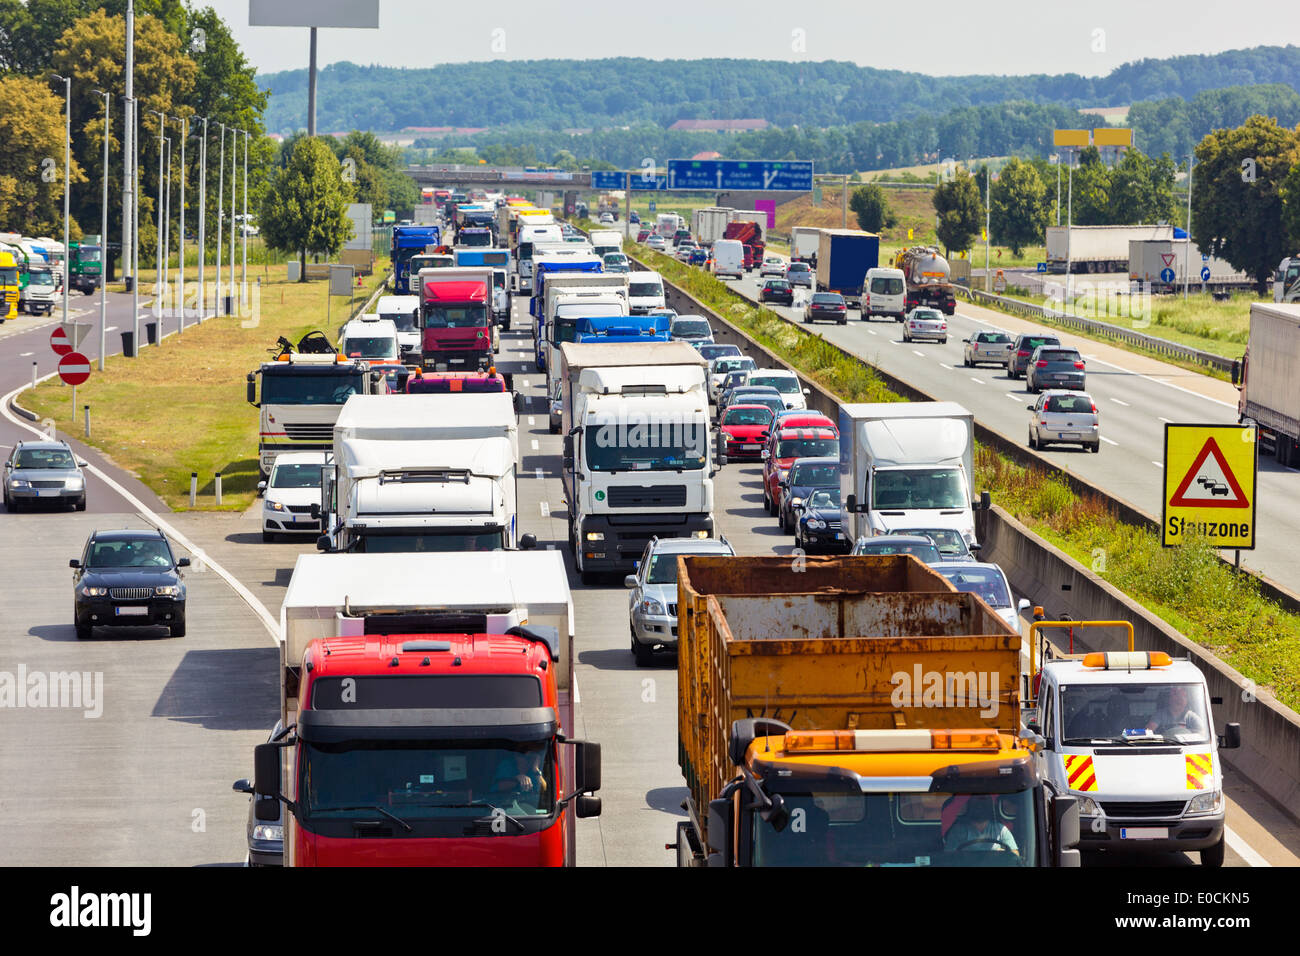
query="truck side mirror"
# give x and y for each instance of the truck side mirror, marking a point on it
(266, 770)
(586, 806)
(261, 488)
(986, 501)
(1065, 815)
(586, 766)
(568, 451)
(851, 504)
(252, 389)
(1236, 371)
(323, 543)
(314, 510)
(720, 830)
(1231, 738)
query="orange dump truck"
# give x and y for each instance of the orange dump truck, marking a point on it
(854, 711)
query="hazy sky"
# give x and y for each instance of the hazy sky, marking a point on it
(937, 37)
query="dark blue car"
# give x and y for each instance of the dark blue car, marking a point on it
(820, 526)
(806, 475)
(698, 257)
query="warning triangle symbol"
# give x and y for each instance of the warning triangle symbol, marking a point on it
(1168, 257)
(1209, 483)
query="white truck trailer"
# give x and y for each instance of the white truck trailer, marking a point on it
(907, 465)
(1270, 387)
(1096, 248)
(1165, 264)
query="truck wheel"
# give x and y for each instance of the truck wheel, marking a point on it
(1212, 856)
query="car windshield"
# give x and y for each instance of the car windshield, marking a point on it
(825, 298)
(993, 338)
(919, 488)
(799, 267)
(985, 582)
(887, 286)
(327, 388)
(925, 551)
(1134, 713)
(690, 329)
(819, 474)
(807, 448)
(1069, 404)
(663, 569)
(644, 289)
(828, 500)
(733, 364)
(710, 352)
(951, 544)
(137, 553)
(785, 384)
(455, 317)
(296, 476)
(426, 780)
(404, 321)
(1058, 355)
(777, 285)
(927, 315)
(370, 347)
(1032, 342)
(615, 259)
(748, 416)
(849, 828)
(52, 458)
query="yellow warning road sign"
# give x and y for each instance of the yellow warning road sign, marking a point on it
(1210, 484)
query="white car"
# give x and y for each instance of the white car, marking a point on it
(989, 582)
(1062, 415)
(606, 218)
(784, 381)
(657, 243)
(287, 496)
(925, 323)
(773, 267)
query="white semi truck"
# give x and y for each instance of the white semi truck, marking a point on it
(423, 473)
(907, 465)
(1165, 264)
(1097, 248)
(638, 456)
(1270, 387)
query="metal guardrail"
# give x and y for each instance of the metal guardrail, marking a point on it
(1105, 329)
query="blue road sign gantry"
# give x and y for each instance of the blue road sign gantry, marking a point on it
(617, 179)
(608, 179)
(749, 175)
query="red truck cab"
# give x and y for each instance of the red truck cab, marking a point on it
(456, 320)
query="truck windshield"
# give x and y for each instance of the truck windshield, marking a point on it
(644, 289)
(89, 254)
(467, 238)
(40, 277)
(313, 389)
(9, 275)
(429, 541)
(901, 829)
(455, 317)
(919, 488)
(423, 779)
(405, 321)
(646, 446)
(370, 347)
(1134, 713)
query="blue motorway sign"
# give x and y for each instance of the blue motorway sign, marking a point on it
(617, 179)
(1166, 274)
(1042, 267)
(759, 175)
(1205, 274)
(652, 205)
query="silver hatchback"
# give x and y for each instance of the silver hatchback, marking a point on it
(652, 595)
(37, 472)
(1065, 417)
(985, 347)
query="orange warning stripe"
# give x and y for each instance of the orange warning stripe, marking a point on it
(1080, 773)
(1199, 767)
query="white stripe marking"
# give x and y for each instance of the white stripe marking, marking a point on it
(545, 509)
(1014, 397)
(532, 420)
(918, 352)
(577, 698)
(25, 354)
(1167, 421)
(535, 446)
(1158, 464)
(945, 365)
(539, 473)
(1107, 440)
(977, 381)
(871, 331)
(1118, 402)
(1239, 846)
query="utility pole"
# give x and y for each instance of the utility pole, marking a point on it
(311, 87)
(128, 154)
(166, 230)
(221, 211)
(988, 222)
(1069, 225)
(67, 190)
(203, 212)
(234, 154)
(844, 204)
(135, 233)
(162, 119)
(243, 272)
(1058, 188)
(180, 283)
(1187, 254)
(103, 226)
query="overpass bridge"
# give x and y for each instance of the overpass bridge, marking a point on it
(449, 174)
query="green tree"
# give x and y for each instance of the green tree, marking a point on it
(1018, 213)
(1142, 189)
(960, 208)
(305, 210)
(31, 127)
(1090, 190)
(871, 208)
(30, 29)
(1290, 190)
(1236, 195)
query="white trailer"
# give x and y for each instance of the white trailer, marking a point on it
(1096, 248)
(1270, 387)
(804, 242)
(1164, 264)
(709, 224)
(423, 473)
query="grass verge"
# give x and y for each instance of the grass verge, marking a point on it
(180, 406)
(1188, 587)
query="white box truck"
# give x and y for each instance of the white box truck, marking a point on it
(638, 451)
(907, 465)
(708, 224)
(1096, 248)
(804, 242)
(1148, 260)
(423, 473)
(1270, 387)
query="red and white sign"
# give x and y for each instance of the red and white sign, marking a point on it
(59, 342)
(74, 368)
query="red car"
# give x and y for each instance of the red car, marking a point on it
(744, 430)
(642, 235)
(786, 443)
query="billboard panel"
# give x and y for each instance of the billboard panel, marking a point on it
(314, 13)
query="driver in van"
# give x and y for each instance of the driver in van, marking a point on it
(1175, 711)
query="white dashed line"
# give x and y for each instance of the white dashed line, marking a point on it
(918, 352)
(534, 443)
(977, 381)
(945, 365)
(545, 509)
(532, 420)
(1158, 464)
(25, 354)
(1014, 397)
(1107, 440)
(1167, 421)
(1118, 402)
(871, 331)
(539, 473)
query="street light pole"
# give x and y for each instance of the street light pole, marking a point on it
(203, 212)
(167, 226)
(243, 273)
(67, 191)
(162, 120)
(221, 211)
(128, 153)
(234, 159)
(1187, 254)
(135, 229)
(988, 222)
(180, 282)
(103, 226)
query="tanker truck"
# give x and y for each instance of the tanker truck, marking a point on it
(928, 278)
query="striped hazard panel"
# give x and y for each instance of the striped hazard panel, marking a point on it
(1199, 768)
(1079, 772)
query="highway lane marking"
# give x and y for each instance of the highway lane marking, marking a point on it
(540, 474)
(1107, 440)
(871, 331)
(25, 354)
(1014, 397)
(945, 365)
(918, 352)
(532, 420)
(535, 447)
(270, 623)
(577, 698)
(544, 508)
(977, 381)
(1158, 464)
(1118, 402)
(1168, 421)
(1243, 849)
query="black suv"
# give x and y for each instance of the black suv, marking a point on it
(1023, 348)
(128, 578)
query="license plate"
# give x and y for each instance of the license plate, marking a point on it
(130, 611)
(1069, 434)
(48, 492)
(839, 536)
(751, 448)
(1144, 833)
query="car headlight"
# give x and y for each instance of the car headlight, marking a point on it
(700, 534)
(268, 831)
(651, 606)
(1210, 802)
(93, 592)
(1088, 807)
(167, 590)
(728, 436)
(595, 536)
(815, 524)
(19, 483)
(72, 484)
(796, 502)
(273, 505)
